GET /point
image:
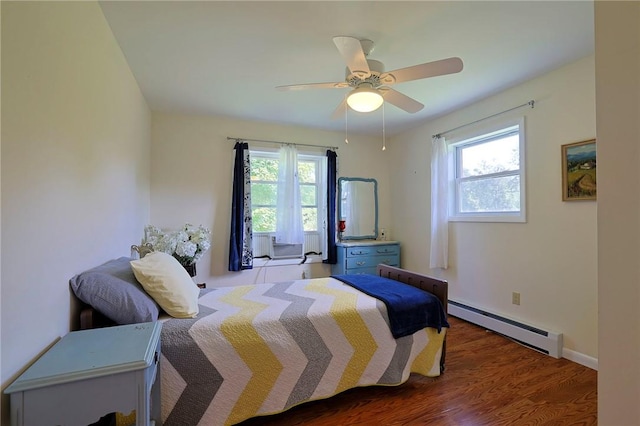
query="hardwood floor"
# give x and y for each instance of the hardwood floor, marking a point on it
(489, 380)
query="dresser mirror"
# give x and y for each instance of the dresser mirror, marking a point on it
(358, 208)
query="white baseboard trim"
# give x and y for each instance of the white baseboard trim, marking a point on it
(580, 358)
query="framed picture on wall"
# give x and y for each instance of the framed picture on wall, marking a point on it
(579, 171)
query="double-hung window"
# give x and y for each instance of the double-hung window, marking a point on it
(488, 176)
(264, 197)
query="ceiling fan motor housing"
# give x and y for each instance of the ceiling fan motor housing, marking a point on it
(376, 77)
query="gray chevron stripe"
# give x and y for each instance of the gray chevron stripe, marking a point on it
(307, 338)
(393, 373)
(202, 382)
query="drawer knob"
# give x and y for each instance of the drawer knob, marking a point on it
(361, 263)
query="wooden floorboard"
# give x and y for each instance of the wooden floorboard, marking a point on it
(489, 380)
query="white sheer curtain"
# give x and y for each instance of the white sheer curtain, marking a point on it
(289, 228)
(323, 208)
(439, 204)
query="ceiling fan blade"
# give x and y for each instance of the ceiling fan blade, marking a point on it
(351, 50)
(430, 69)
(340, 85)
(400, 100)
(340, 110)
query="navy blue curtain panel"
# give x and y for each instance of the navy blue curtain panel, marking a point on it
(240, 256)
(332, 173)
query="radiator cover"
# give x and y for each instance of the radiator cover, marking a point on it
(544, 341)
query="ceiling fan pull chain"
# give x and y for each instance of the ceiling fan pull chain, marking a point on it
(346, 123)
(384, 144)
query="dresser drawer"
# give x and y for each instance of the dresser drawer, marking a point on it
(359, 271)
(364, 258)
(373, 251)
(360, 262)
(371, 261)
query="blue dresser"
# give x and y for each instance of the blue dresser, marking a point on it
(362, 257)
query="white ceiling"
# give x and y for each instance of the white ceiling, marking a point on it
(226, 58)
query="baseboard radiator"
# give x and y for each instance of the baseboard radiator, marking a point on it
(544, 341)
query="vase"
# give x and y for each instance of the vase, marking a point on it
(191, 269)
(342, 225)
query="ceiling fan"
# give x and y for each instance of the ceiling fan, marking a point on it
(371, 83)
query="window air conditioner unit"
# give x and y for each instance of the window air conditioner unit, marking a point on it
(285, 250)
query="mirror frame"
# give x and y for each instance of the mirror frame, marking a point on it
(374, 236)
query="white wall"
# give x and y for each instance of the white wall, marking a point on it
(551, 259)
(191, 176)
(75, 166)
(618, 112)
(2, 404)
(75, 188)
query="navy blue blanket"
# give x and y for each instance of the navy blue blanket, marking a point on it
(410, 309)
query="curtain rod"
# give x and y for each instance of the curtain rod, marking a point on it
(530, 103)
(279, 143)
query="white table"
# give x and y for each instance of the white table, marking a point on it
(90, 373)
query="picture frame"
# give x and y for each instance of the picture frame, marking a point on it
(579, 166)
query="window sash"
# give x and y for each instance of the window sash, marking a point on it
(470, 182)
(302, 158)
(459, 180)
(482, 140)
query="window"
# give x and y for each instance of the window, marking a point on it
(308, 177)
(264, 198)
(488, 182)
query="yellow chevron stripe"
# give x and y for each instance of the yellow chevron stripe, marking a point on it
(427, 357)
(266, 368)
(343, 310)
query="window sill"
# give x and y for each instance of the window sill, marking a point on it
(266, 262)
(514, 218)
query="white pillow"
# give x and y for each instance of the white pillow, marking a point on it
(164, 278)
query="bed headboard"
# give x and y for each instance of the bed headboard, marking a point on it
(91, 318)
(440, 288)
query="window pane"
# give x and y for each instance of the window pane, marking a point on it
(498, 155)
(308, 195)
(264, 194)
(307, 171)
(501, 194)
(310, 218)
(264, 169)
(264, 219)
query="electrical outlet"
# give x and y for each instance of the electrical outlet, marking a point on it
(515, 298)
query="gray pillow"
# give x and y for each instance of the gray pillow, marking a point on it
(113, 290)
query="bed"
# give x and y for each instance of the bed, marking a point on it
(261, 349)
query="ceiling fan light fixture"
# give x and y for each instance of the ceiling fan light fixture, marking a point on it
(364, 99)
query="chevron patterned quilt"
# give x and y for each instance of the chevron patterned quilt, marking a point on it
(260, 349)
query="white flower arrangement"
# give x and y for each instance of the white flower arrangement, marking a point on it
(187, 244)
